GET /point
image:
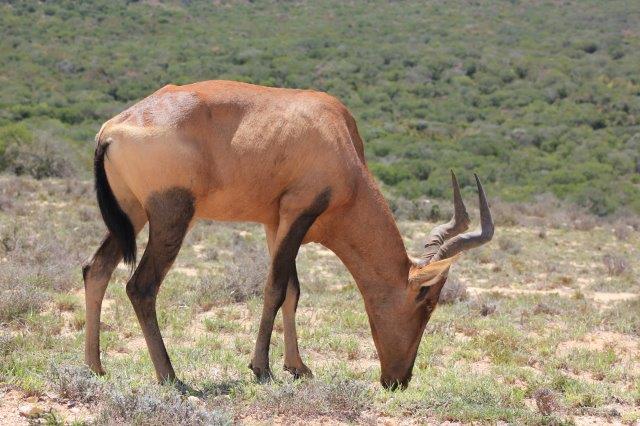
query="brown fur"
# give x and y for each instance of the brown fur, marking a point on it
(96, 275)
(289, 159)
(282, 269)
(170, 212)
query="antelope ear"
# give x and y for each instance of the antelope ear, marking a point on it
(431, 273)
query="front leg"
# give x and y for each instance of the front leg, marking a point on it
(274, 295)
(292, 360)
(292, 228)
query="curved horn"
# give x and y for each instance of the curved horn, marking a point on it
(472, 239)
(458, 223)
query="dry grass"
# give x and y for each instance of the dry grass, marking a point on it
(453, 291)
(155, 406)
(490, 352)
(615, 264)
(74, 382)
(338, 399)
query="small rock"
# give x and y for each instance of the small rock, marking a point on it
(543, 308)
(30, 410)
(546, 401)
(194, 400)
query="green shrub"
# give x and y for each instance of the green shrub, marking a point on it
(523, 100)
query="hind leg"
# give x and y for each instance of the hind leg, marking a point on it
(170, 214)
(96, 274)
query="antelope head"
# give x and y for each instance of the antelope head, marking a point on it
(399, 337)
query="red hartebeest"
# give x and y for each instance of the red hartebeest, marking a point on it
(291, 160)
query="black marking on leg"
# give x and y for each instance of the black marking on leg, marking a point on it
(295, 282)
(170, 213)
(85, 272)
(104, 260)
(283, 265)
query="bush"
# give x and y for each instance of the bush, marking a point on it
(6, 344)
(546, 401)
(40, 160)
(453, 291)
(615, 264)
(338, 399)
(240, 280)
(530, 120)
(622, 231)
(155, 406)
(509, 245)
(13, 134)
(76, 383)
(18, 299)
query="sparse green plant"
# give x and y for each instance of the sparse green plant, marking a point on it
(152, 406)
(221, 324)
(481, 358)
(338, 399)
(546, 401)
(75, 382)
(615, 264)
(67, 302)
(453, 291)
(464, 397)
(18, 300)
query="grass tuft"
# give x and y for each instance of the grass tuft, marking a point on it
(75, 382)
(615, 264)
(459, 396)
(154, 406)
(453, 291)
(338, 399)
(18, 299)
(546, 401)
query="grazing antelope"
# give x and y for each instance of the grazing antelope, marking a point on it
(291, 160)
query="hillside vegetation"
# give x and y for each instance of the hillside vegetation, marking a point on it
(536, 96)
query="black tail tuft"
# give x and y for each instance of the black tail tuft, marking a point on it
(114, 217)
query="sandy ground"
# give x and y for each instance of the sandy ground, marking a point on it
(15, 404)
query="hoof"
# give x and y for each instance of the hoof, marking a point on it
(97, 369)
(181, 387)
(299, 372)
(185, 389)
(263, 374)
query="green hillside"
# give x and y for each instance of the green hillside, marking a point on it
(536, 96)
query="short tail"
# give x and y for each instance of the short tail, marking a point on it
(114, 217)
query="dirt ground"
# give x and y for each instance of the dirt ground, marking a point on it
(543, 327)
